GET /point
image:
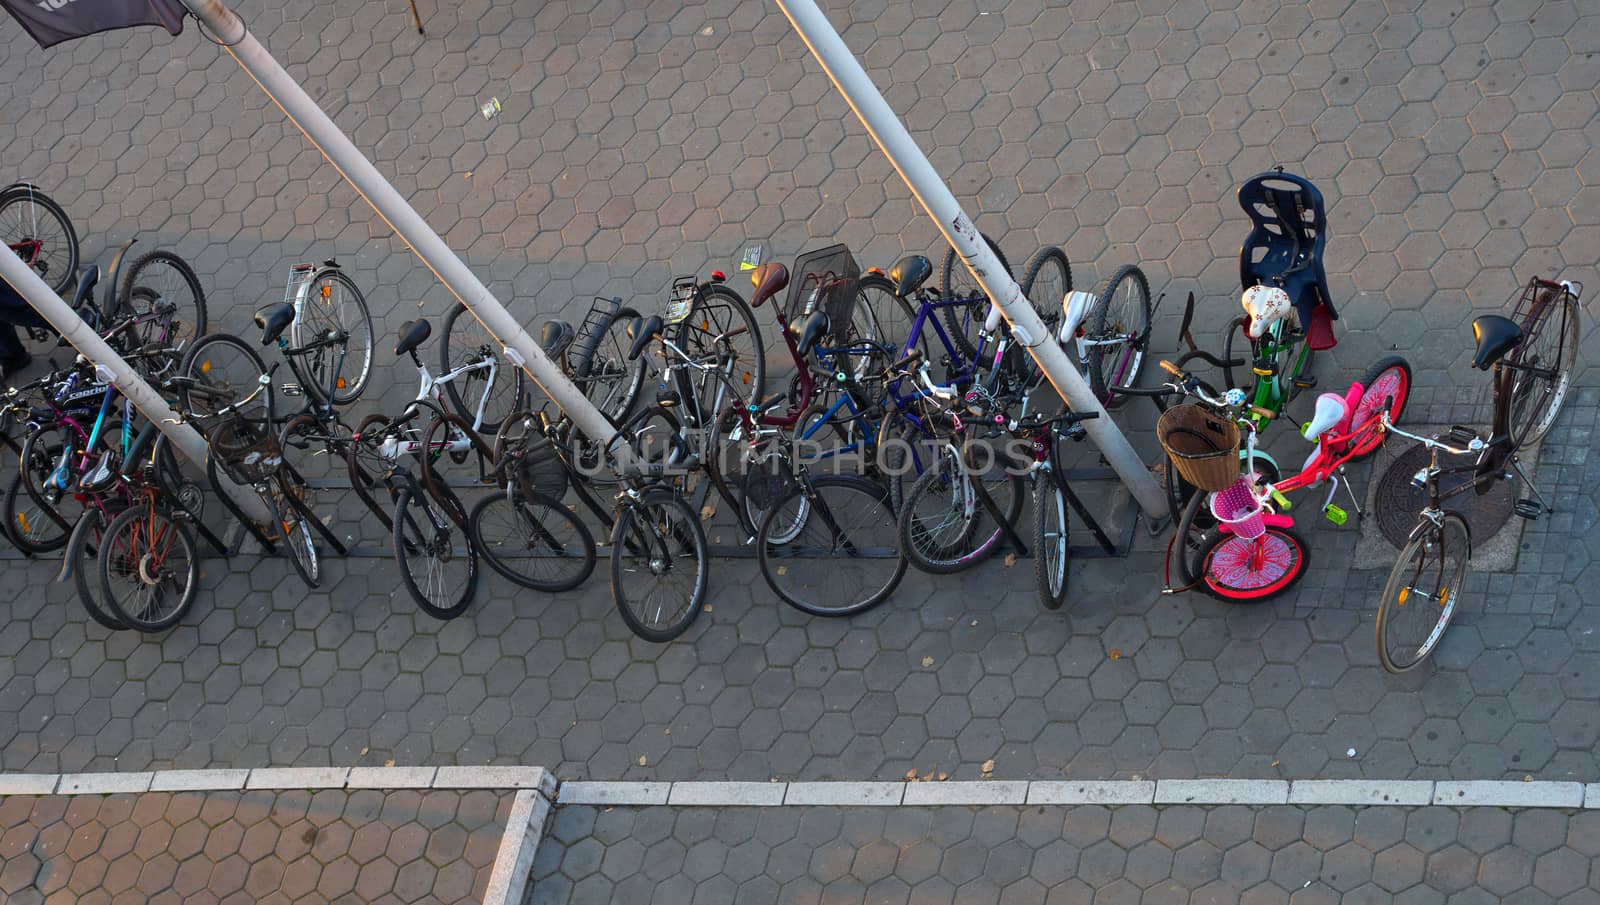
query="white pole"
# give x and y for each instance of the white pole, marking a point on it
(184, 438)
(321, 131)
(897, 144)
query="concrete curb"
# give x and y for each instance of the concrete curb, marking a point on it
(513, 863)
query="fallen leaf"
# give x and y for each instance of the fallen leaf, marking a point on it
(911, 775)
(389, 762)
(974, 622)
(667, 731)
(1274, 763)
(988, 766)
(708, 607)
(783, 570)
(707, 512)
(1116, 653)
(641, 760)
(1011, 560)
(365, 750)
(926, 662)
(943, 776)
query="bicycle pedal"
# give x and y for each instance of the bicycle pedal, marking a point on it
(1528, 509)
(1335, 514)
(291, 389)
(1307, 382)
(1462, 434)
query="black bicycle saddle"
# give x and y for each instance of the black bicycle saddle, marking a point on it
(909, 273)
(641, 331)
(555, 337)
(412, 335)
(273, 321)
(812, 329)
(1496, 336)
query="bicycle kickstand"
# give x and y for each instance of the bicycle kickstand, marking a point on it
(1544, 505)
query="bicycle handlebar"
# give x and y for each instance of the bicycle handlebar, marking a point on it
(1477, 445)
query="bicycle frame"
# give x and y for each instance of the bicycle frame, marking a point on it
(430, 395)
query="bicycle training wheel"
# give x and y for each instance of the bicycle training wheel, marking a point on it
(37, 229)
(1119, 325)
(1423, 593)
(1052, 548)
(438, 563)
(658, 566)
(1250, 571)
(1537, 395)
(149, 570)
(533, 540)
(466, 342)
(838, 555)
(331, 318)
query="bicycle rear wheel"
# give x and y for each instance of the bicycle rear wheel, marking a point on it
(82, 557)
(164, 285)
(1119, 327)
(39, 521)
(1536, 398)
(719, 311)
(1388, 380)
(1052, 548)
(292, 525)
(467, 342)
(1423, 592)
(837, 554)
(218, 371)
(368, 466)
(1250, 571)
(604, 372)
(38, 230)
(533, 540)
(891, 315)
(332, 305)
(963, 321)
(440, 577)
(1047, 280)
(945, 528)
(658, 566)
(149, 570)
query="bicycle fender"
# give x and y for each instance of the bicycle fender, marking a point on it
(70, 561)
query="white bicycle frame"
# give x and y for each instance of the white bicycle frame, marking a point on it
(432, 389)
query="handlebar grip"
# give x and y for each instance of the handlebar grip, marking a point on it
(1265, 414)
(1171, 368)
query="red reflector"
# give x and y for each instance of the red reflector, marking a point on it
(718, 275)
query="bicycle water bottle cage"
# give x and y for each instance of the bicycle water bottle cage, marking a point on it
(1288, 235)
(909, 273)
(1496, 335)
(273, 321)
(1331, 411)
(768, 280)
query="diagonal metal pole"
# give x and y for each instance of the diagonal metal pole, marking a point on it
(897, 144)
(321, 131)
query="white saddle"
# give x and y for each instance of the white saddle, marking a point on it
(1266, 305)
(1330, 412)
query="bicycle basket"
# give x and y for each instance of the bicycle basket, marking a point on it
(244, 451)
(1203, 447)
(826, 277)
(1537, 296)
(538, 465)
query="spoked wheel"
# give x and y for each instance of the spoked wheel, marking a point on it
(827, 548)
(1537, 394)
(367, 466)
(721, 312)
(945, 527)
(149, 570)
(964, 320)
(437, 561)
(1250, 571)
(1052, 548)
(1046, 282)
(533, 540)
(766, 479)
(83, 558)
(39, 518)
(291, 526)
(332, 319)
(891, 315)
(218, 371)
(1423, 592)
(658, 566)
(1196, 524)
(605, 373)
(1118, 331)
(1388, 380)
(466, 342)
(37, 229)
(162, 284)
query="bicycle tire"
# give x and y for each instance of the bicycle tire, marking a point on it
(691, 334)
(366, 465)
(1397, 593)
(540, 518)
(604, 362)
(1380, 382)
(892, 313)
(311, 317)
(213, 378)
(632, 547)
(1134, 323)
(466, 341)
(416, 541)
(1052, 547)
(292, 520)
(165, 275)
(957, 282)
(27, 228)
(35, 524)
(1233, 572)
(1530, 429)
(1047, 278)
(844, 577)
(82, 559)
(938, 552)
(762, 483)
(123, 556)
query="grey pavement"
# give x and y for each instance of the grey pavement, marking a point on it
(1056, 855)
(1455, 147)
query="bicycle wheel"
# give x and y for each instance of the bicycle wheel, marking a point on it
(39, 520)
(1389, 379)
(1120, 323)
(1250, 571)
(367, 465)
(944, 527)
(1052, 549)
(440, 577)
(82, 559)
(719, 311)
(903, 452)
(149, 570)
(1046, 280)
(292, 528)
(333, 311)
(218, 371)
(837, 555)
(37, 229)
(764, 481)
(604, 372)
(1195, 523)
(467, 342)
(163, 285)
(892, 315)
(1536, 397)
(1423, 592)
(658, 566)
(964, 320)
(533, 540)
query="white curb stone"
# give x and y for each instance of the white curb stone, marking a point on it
(727, 794)
(1222, 791)
(28, 783)
(390, 777)
(1359, 792)
(1095, 792)
(1591, 795)
(1509, 794)
(611, 794)
(199, 780)
(845, 794)
(298, 778)
(496, 778)
(966, 793)
(104, 783)
(513, 863)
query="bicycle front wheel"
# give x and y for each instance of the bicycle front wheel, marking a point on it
(1423, 592)
(827, 548)
(164, 287)
(39, 520)
(149, 570)
(1046, 281)
(466, 342)
(1537, 394)
(1052, 549)
(1250, 571)
(368, 466)
(438, 562)
(291, 518)
(533, 540)
(964, 320)
(945, 527)
(1120, 324)
(83, 559)
(218, 371)
(332, 306)
(658, 566)
(721, 312)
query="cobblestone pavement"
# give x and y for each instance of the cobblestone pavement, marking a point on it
(1059, 855)
(250, 847)
(1454, 144)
